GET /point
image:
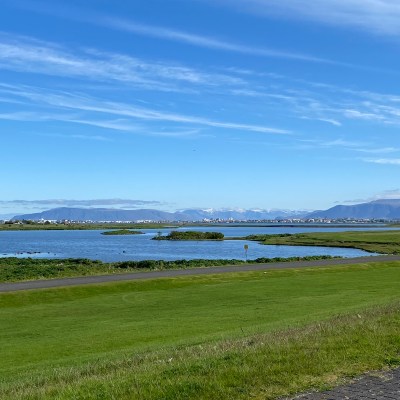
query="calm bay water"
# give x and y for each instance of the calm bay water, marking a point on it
(93, 245)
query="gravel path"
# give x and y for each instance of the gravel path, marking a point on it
(382, 386)
(51, 283)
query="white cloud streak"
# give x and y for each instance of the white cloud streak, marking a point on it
(78, 203)
(384, 161)
(342, 143)
(301, 99)
(355, 146)
(166, 33)
(28, 55)
(338, 105)
(79, 103)
(375, 16)
(29, 116)
(379, 150)
(204, 41)
(96, 138)
(127, 126)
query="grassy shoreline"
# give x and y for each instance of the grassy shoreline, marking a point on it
(383, 242)
(26, 269)
(248, 335)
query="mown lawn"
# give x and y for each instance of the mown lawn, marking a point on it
(222, 336)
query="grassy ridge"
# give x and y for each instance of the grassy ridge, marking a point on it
(385, 242)
(199, 337)
(22, 269)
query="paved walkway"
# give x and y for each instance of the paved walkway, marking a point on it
(51, 283)
(382, 386)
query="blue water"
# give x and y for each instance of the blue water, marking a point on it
(93, 245)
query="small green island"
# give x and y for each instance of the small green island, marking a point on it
(190, 235)
(122, 232)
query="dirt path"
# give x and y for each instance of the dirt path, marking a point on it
(377, 386)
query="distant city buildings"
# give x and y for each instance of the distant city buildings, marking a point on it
(286, 221)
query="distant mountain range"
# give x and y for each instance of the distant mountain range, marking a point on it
(105, 214)
(5, 217)
(379, 209)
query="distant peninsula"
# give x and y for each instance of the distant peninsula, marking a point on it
(190, 235)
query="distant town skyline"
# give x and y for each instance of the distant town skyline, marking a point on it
(198, 104)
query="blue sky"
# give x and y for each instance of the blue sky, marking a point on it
(198, 103)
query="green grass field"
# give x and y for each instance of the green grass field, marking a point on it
(385, 242)
(240, 335)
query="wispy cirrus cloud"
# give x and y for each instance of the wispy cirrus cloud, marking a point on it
(300, 99)
(353, 146)
(204, 41)
(79, 203)
(374, 16)
(122, 125)
(69, 101)
(167, 33)
(35, 116)
(343, 143)
(330, 121)
(25, 54)
(117, 124)
(357, 114)
(96, 138)
(379, 150)
(336, 105)
(383, 161)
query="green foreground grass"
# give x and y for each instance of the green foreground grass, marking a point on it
(237, 336)
(385, 242)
